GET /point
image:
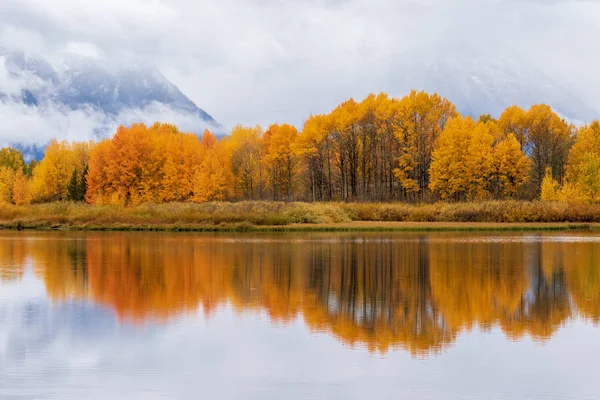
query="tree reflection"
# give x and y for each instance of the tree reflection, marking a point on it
(414, 292)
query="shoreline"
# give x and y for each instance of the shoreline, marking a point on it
(268, 216)
(356, 226)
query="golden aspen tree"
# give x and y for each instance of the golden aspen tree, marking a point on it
(210, 179)
(386, 118)
(279, 159)
(449, 177)
(516, 121)
(346, 152)
(51, 176)
(368, 141)
(582, 174)
(183, 156)
(423, 119)
(550, 139)
(315, 147)
(208, 139)
(586, 141)
(11, 158)
(588, 181)
(99, 180)
(245, 161)
(549, 187)
(131, 151)
(406, 131)
(479, 162)
(7, 178)
(11, 163)
(571, 193)
(21, 194)
(511, 167)
(144, 164)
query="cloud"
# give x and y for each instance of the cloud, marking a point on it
(82, 49)
(260, 61)
(31, 126)
(13, 85)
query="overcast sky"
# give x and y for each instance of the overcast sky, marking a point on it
(262, 61)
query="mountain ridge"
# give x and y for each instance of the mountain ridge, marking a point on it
(81, 83)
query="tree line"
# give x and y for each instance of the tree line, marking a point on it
(417, 148)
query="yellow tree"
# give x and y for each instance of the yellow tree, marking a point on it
(421, 120)
(550, 139)
(386, 123)
(479, 162)
(144, 164)
(582, 168)
(21, 194)
(11, 158)
(7, 177)
(515, 120)
(449, 177)
(549, 187)
(589, 179)
(51, 176)
(586, 141)
(183, 157)
(246, 167)
(346, 147)
(512, 167)
(314, 146)
(406, 132)
(279, 158)
(11, 163)
(211, 180)
(100, 188)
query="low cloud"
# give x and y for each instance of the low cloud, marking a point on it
(31, 126)
(12, 84)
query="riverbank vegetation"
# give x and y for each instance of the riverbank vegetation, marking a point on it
(416, 149)
(262, 215)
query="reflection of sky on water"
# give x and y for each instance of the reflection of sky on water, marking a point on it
(75, 349)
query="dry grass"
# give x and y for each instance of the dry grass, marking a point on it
(249, 215)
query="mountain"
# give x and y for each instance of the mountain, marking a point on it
(116, 92)
(488, 85)
(86, 81)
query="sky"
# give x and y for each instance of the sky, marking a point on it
(263, 61)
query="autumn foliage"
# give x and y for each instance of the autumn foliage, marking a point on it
(411, 149)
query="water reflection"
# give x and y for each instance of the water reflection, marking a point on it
(416, 292)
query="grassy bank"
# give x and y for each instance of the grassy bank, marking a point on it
(276, 216)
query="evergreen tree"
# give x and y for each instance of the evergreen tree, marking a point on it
(82, 188)
(73, 187)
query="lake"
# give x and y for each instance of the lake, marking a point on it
(113, 315)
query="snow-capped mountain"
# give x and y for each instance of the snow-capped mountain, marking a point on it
(80, 83)
(86, 81)
(488, 86)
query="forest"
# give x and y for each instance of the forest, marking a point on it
(414, 149)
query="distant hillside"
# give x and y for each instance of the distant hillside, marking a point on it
(488, 86)
(118, 92)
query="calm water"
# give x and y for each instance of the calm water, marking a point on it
(299, 316)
